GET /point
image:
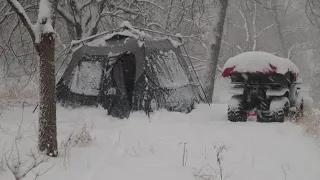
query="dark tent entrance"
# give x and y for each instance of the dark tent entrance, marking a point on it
(126, 75)
(120, 83)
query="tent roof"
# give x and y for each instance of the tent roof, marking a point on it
(119, 43)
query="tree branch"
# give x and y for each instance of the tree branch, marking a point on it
(66, 14)
(16, 6)
(85, 4)
(266, 28)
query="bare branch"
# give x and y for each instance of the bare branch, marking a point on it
(16, 6)
(266, 28)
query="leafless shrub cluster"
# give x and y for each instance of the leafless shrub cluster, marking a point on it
(20, 166)
(79, 137)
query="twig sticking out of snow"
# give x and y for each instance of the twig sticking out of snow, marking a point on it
(185, 155)
(208, 172)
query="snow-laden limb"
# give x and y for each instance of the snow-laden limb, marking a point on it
(44, 23)
(44, 10)
(17, 7)
(175, 44)
(131, 31)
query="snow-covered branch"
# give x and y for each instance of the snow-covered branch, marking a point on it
(19, 10)
(291, 49)
(266, 28)
(285, 31)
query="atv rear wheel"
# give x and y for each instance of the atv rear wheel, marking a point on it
(282, 111)
(279, 115)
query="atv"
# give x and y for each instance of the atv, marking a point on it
(264, 87)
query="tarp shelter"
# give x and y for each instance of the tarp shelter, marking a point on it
(123, 73)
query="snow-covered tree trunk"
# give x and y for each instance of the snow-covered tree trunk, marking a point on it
(42, 34)
(47, 118)
(215, 48)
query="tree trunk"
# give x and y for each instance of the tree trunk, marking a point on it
(284, 49)
(215, 50)
(47, 118)
(47, 137)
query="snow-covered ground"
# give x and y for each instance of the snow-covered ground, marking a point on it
(143, 149)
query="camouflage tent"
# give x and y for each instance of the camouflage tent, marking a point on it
(123, 73)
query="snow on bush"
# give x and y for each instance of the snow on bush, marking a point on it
(79, 137)
(259, 62)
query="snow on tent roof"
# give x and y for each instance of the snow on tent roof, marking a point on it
(259, 62)
(129, 31)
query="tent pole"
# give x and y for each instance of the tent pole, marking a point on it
(196, 74)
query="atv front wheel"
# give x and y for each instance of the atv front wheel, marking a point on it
(236, 115)
(235, 110)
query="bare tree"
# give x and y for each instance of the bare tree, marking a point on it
(83, 17)
(42, 35)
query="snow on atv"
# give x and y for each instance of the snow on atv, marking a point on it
(265, 88)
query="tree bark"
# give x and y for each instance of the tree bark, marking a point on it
(47, 118)
(215, 50)
(45, 46)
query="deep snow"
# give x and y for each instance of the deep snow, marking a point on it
(144, 149)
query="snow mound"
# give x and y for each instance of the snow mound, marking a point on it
(259, 62)
(234, 103)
